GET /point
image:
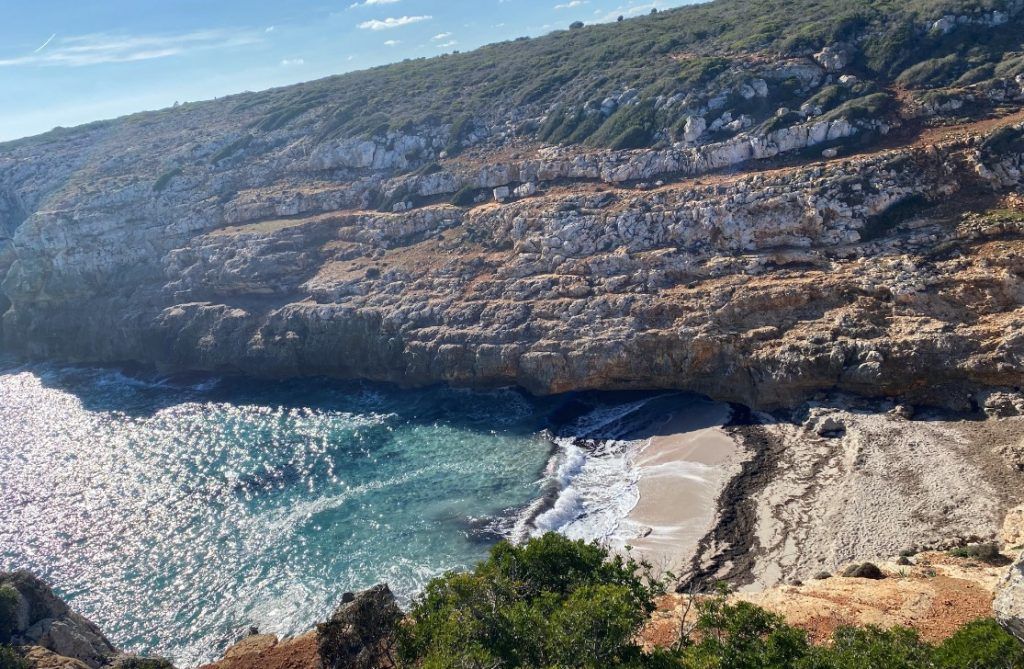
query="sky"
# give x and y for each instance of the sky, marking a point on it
(67, 62)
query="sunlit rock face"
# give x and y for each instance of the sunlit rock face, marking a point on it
(754, 251)
(1009, 604)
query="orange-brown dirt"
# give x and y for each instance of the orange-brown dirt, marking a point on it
(935, 596)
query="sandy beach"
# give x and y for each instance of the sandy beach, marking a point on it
(683, 466)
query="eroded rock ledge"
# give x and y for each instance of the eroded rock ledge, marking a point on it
(863, 274)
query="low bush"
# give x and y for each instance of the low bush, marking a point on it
(631, 127)
(932, 72)
(869, 106)
(984, 552)
(982, 644)
(558, 604)
(466, 196)
(165, 179)
(8, 611)
(11, 660)
(551, 602)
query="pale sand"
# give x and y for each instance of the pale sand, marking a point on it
(682, 469)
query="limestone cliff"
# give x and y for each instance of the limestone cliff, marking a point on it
(772, 220)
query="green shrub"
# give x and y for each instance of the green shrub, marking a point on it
(465, 197)
(551, 602)
(858, 648)
(8, 611)
(743, 635)
(982, 644)
(930, 73)
(232, 148)
(165, 179)
(11, 660)
(461, 129)
(631, 127)
(984, 552)
(869, 106)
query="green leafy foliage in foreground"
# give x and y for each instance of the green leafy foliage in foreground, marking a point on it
(11, 660)
(553, 603)
(549, 603)
(8, 606)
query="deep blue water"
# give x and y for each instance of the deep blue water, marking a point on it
(177, 513)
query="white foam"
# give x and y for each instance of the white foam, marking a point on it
(597, 482)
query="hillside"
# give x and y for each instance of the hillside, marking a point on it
(755, 200)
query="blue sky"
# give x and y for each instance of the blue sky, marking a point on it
(66, 62)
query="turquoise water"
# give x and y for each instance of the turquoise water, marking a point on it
(176, 513)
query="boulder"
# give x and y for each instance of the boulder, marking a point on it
(41, 658)
(1009, 601)
(695, 127)
(1012, 534)
(360, 634)
(835, 58)
(501, 193)
(1013, 453)
(865, 570)
(43, 619)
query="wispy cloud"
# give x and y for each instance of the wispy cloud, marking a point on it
(571, 4)
(389, 23)
(100, 48)
(370, 3)
(441, 36)
(289, 62)
(46, 43)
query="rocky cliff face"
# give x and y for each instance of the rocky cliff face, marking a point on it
(1009, 604)
(753, 259)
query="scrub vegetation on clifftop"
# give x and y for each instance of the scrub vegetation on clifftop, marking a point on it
(556, 603)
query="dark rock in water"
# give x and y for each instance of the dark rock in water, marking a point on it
(865, 570)
(360, 634)
(43, 619)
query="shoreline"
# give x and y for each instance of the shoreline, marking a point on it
(683, 466)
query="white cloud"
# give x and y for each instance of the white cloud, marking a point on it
(447, 45)
(571, 4)
(369, 3)
(392, 42)
(288, 62)
(100, 48)
(441, 36)
(390, 23)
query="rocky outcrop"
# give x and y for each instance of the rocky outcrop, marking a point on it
(50, 635)
(360, 634)
(760, 288)
(1009, 602)
(44, 620)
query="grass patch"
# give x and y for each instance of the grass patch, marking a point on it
(231, 149)
(165, 179)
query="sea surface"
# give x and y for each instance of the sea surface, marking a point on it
(178, 512)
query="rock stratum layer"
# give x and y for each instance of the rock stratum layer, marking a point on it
(755, 253)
